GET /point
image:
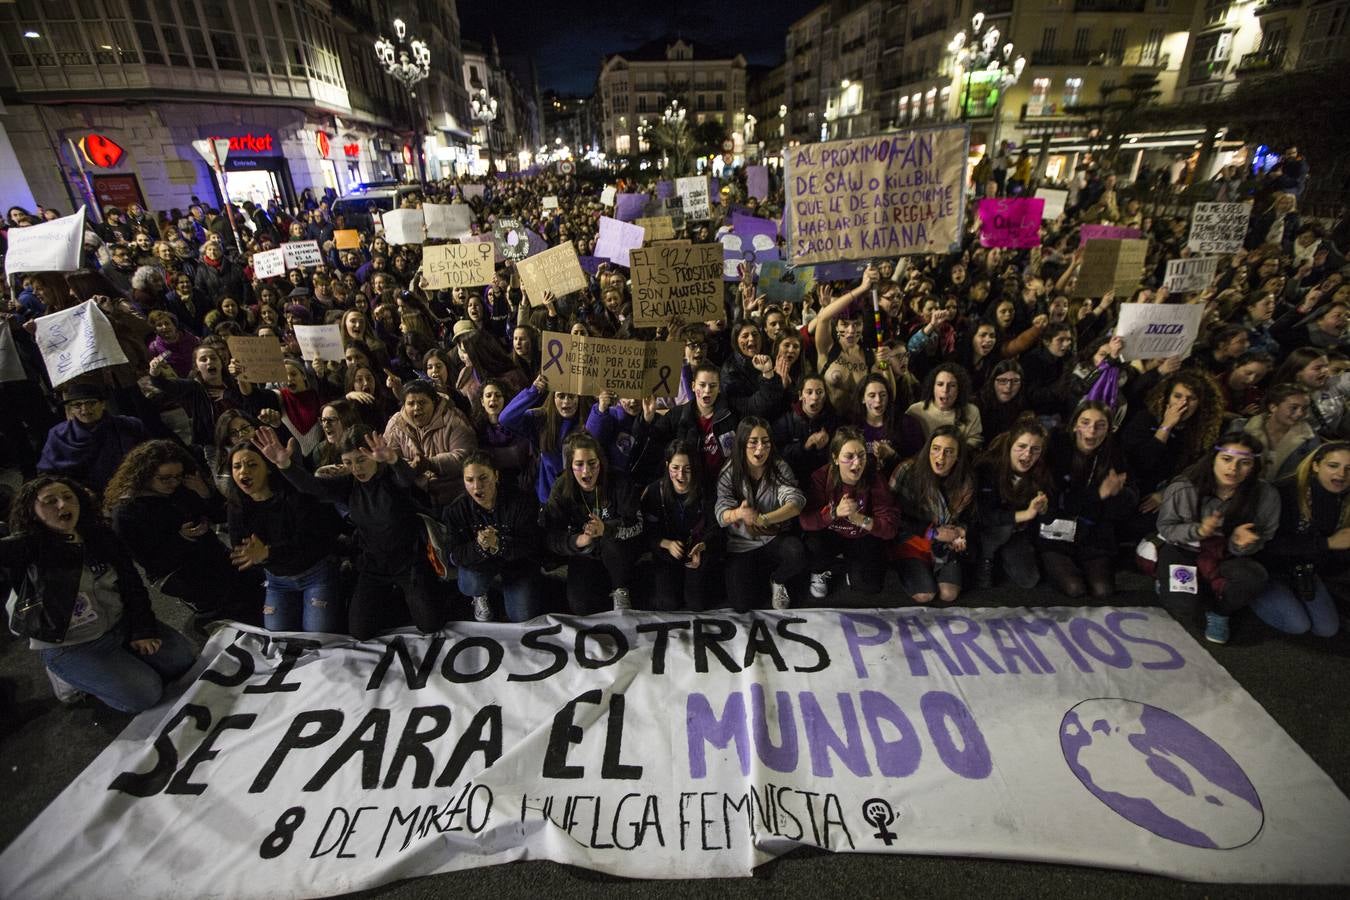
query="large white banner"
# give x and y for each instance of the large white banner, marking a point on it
(695, 746)
(53, 246)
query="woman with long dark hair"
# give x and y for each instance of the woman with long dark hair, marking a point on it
(757, 502)
(592, 521)
(875, 415)
(1003, 400)
(1013, 492)
(1215, 517)
(936, 495)
(81, 603)
(681, 531)
(525, 350)
(484, 358)
(803, 433)
(947, 400)
(545, 418)
(850, 512)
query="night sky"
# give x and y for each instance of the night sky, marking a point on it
(568, 41)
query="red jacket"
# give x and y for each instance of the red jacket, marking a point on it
(874, 499)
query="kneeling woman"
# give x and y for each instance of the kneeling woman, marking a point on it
(1312, 546)
(679, 522)
(80, 601)
(592, 521)
(849, 511)
(1014, 492)
(494, 533)
(757, 500)
(1214, 518)
(936, 495)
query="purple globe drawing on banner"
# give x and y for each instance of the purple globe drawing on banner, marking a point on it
(1160, 772)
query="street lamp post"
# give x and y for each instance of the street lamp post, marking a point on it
(979, 50)
(485, 111)
(408, 62)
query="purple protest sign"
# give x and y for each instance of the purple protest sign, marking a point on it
(665, 190)
(628, 207)
(1011, 222)
(590, 264)
(850, 270)
(751, 240)
(1100, 232)
(757, 182)
(616, 239)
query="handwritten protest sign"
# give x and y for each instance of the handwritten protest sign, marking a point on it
(658, 228)
(607, 196)
(1054, 202)
(473, 191)
(1111, 265)
(347, 239)
(757, 182)
(75, 341)
(457, 265)
(259, 357)
(783, 283)
(54, 246)
(886, 195)
(1218, 228)
(550, 203)
(448, 220)
(1011, 222)
(556, 270)
(301, 254)
(587, 365)
(1193, 274)
(269, 264)
(1159, 330)
(320, 342)
(628, 207)
(512, 238)
(1106, 232)
(617, 238)
(404, 226)
(673, 281)
(693, 191)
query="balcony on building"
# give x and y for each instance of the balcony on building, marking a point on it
(1108, 6)
(1203, 70)
(1274, 6)
(1139, 58)
(1261, 61)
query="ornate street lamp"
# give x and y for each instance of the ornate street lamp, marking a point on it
(979, 51)
(484, 108)
(408, 62)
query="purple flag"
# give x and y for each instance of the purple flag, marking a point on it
(757, 182)
(628, 207)
(590, 264)
(665, 190)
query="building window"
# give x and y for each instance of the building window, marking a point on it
(1073, 90)
(1081, 39)
(930, 103)
(1148, 56)
(623, 144)
(1048, 37)
(1040, 95)
(1117, 45)
(902, 109)
(1216, 12)
(945, 102)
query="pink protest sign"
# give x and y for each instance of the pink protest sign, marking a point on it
(1113, 232)
(1011, 222)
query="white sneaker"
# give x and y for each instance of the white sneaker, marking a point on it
(781, 600)
(622, 602)
(482, 609)
(820, 585)
(65, 692)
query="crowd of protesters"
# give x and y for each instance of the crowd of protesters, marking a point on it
(959, 420)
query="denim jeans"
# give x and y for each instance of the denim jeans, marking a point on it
(110, 670)
(520, 589)
(1279, 608)
(307, 601)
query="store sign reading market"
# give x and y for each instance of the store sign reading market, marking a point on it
(247, 143)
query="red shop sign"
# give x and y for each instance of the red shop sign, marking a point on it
(351, 149)
(101, 150)
(321, 138)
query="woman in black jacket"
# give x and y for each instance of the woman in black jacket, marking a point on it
(163, 509)
(80, 601)
(592, 521)
(680, 528)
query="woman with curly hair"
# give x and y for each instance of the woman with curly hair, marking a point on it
(81, 603)
(163, 509)
(947, 400)
(935, 492)
(1177, 425)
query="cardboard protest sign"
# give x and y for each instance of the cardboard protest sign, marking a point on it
(752, 241)
(512, 238)
(617, 238)
(259, 357)
(783, 283)
(320, 342)
(11, 366)
(628, 207)
(886, 195)
(658, 228)
(1094, 736)
(75, 341)
(588, 365)
(1011, 222)
(607, 196)
(550, 203)
(347, 239)
(404, 226)
(693, 192)
(1219, 228)
(1106, 232)
(448, 220)
(1192, 274)
(556, 270)
(1054, 202)
(1111, 265)
(673, 281)
(301, 254)
(55, 246)
(757, 182)
(1159, 330)
(473, 191)
(269, 264)
(448, 266)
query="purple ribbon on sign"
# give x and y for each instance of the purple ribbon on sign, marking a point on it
(555, 350)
